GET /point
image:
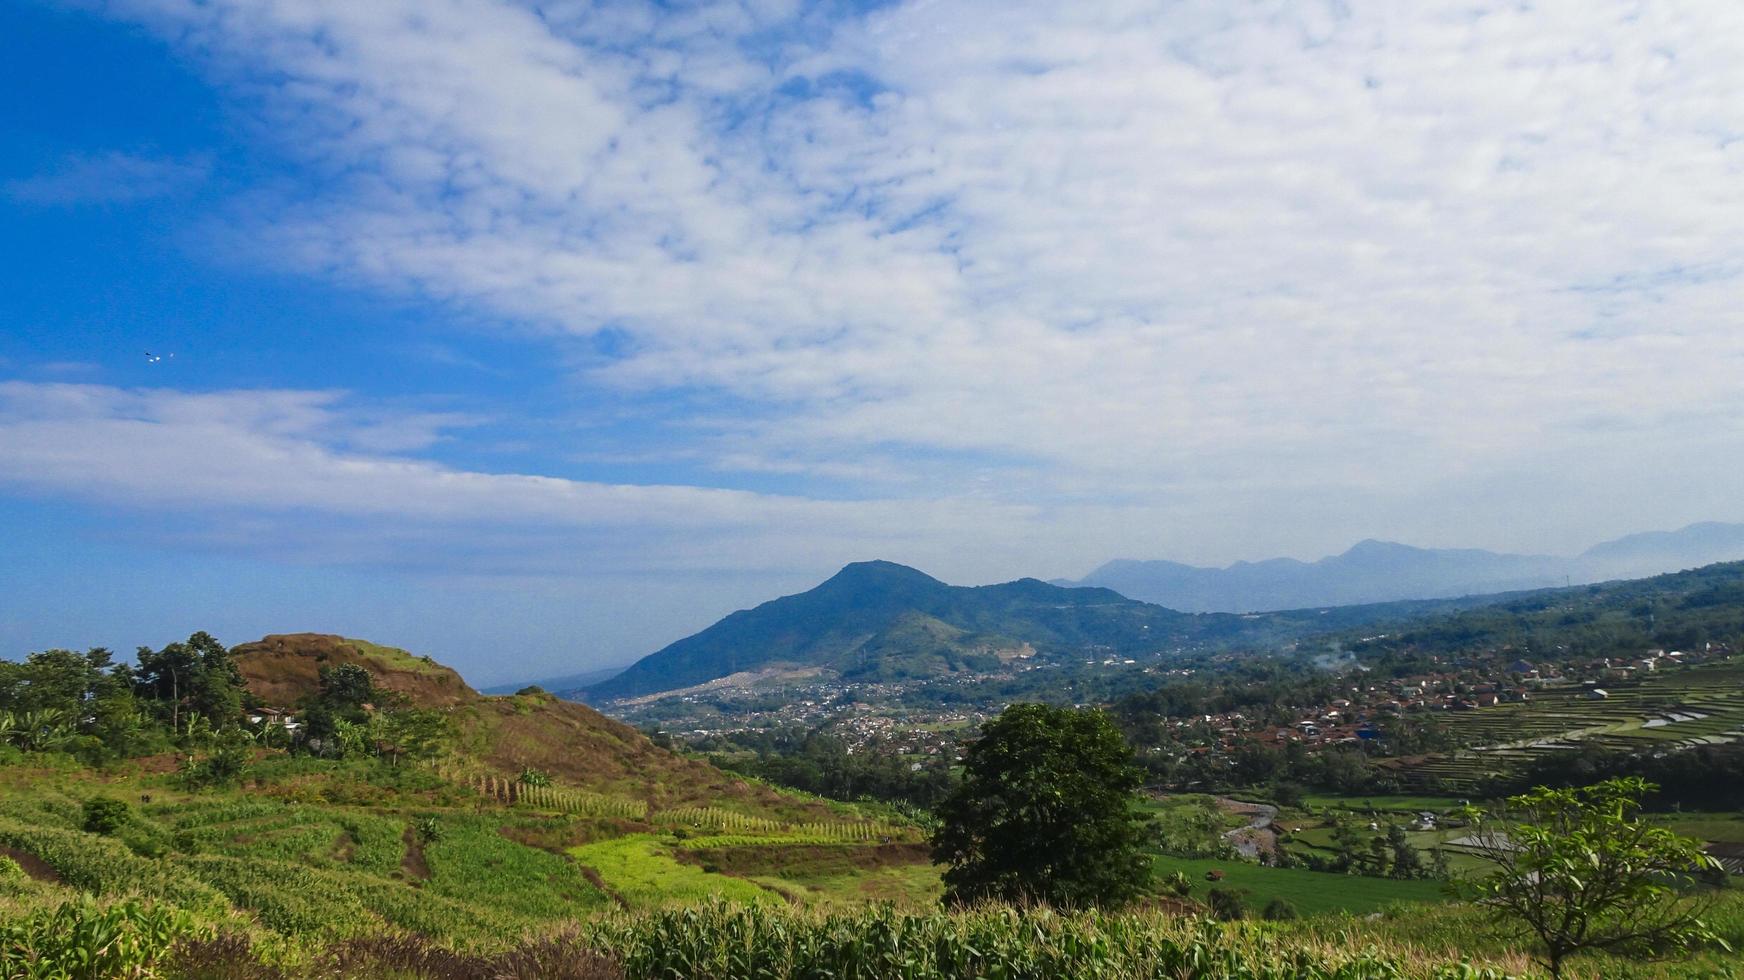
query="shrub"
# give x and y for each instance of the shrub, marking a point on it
(428, 829)
(1279, 910)
(105, 816)
(1227, 904)
(1177, 883)
(10, 870)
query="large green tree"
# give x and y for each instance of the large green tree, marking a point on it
(1577, 870)
(197, 678)
(1046, 812)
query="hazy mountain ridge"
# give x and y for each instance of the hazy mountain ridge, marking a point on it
(878, 619)
(1378, 571)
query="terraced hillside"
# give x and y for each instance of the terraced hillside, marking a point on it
(1678, 709)
(315, 848)
(571, 743)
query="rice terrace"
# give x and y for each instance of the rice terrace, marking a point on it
(1701, 706)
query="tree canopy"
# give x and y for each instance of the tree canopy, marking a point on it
(1045, 812)
(1577, 871)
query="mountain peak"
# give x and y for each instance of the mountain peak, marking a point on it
(1372, 547)
(878, 573)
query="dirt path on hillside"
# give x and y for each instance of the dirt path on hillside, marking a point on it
(33, 866)
(413, 865)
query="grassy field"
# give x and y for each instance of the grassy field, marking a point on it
(640, 870)
(1311, 892)
(1403, 804)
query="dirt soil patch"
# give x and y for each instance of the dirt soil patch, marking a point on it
(413, 865)
(805, 860)
(33, 866)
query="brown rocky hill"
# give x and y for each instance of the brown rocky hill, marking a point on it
(282, 668)
(574, 744)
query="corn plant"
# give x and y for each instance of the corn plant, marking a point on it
(85, 940)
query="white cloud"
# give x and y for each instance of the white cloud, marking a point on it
(1199, 259)
(109, 178)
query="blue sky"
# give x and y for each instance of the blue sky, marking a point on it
(534, 336)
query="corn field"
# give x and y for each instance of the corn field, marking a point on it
(512, 790)
(730, 822)
(727, 942)
(504, 789)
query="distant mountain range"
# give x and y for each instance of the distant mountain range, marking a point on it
(1380, 571)
(877, 620)
(880, 621)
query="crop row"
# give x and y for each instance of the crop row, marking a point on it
(720, 941)
(104, 866)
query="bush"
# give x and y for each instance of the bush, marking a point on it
(1177, 883)
(10, 870)
(428, 829)
(1279, 910)
(105, 816)
(1227, 904)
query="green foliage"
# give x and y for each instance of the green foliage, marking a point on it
(1227, 904)
(417, 734)
(195, 679)
(1047, 811)
(105, 866)
(533, 777)
(85, 940)
(639, 869)
(472, 861)
(346, 687)
(718, 941)
(1279, 910)
(1577, 870)
(224, 764)
(428, 829)
(105, 816)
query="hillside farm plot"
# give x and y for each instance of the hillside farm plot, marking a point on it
(641, 871)
(1311, 892)
(1677, 709)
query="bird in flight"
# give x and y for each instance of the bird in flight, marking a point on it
(151, 358)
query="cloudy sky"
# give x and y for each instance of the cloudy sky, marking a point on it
(536, 335)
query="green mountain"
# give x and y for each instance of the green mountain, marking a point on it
(879, 620)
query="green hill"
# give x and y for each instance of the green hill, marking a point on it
(879, 620)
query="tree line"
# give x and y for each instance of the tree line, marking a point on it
(189, 697)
